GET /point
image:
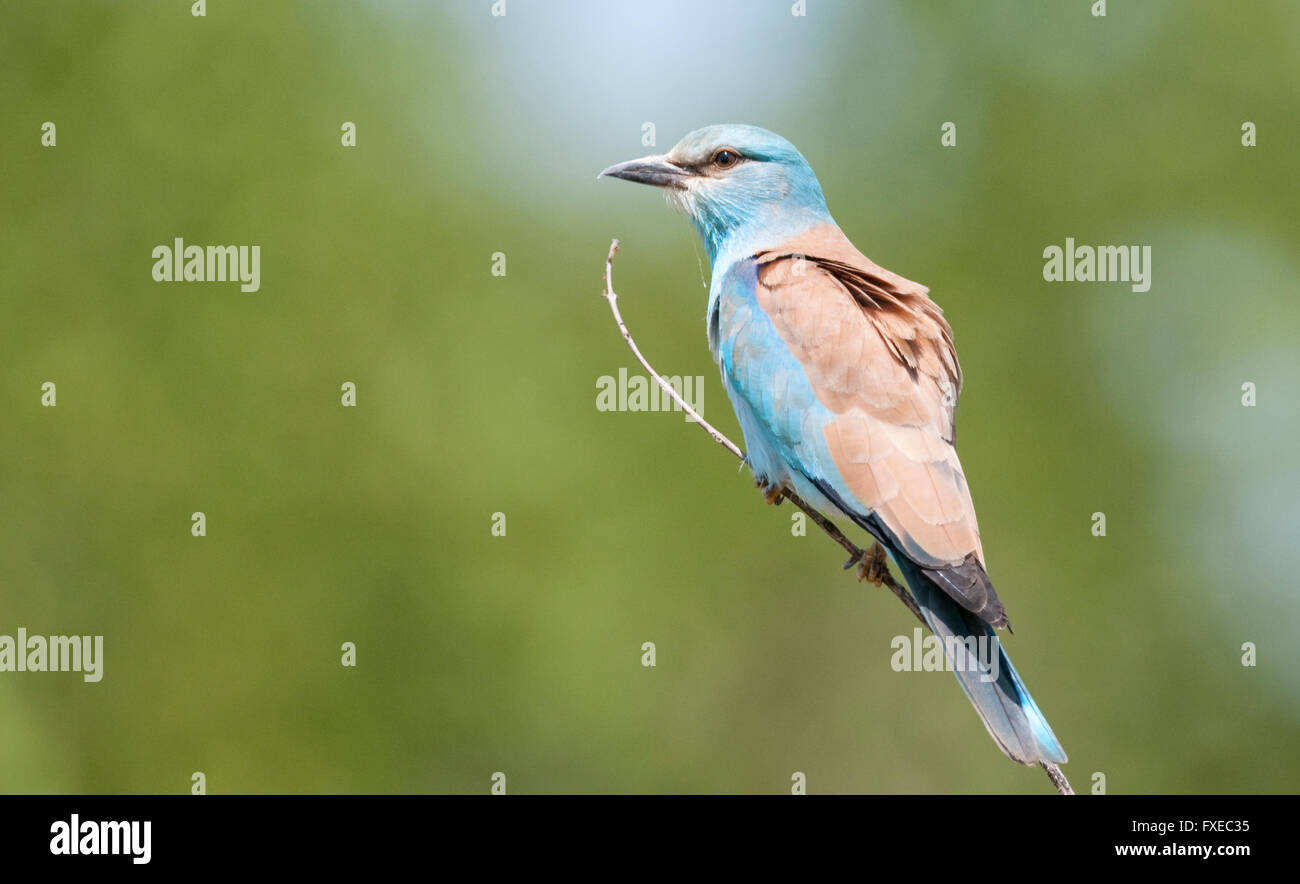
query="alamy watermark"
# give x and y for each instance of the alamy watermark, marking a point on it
(53, 653)
(914, 653)
(78, 837)
(1073, 263)
(641, 393)
(181, 263)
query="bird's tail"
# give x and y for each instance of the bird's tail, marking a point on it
(986, 675)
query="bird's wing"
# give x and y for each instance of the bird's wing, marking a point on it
(877, 356)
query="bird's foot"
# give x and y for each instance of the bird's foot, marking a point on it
(772, 492)
(874, 566)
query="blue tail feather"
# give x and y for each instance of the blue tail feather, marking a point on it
(1003, 703)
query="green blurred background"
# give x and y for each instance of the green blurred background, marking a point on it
(476, 395)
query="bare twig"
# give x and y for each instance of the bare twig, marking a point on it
(856, 554)
(1057, 777)
(667, 387)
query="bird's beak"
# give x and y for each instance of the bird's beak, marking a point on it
(656, 171)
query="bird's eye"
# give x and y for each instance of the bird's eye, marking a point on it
(725, 158)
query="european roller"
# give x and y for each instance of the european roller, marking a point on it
(844, 380)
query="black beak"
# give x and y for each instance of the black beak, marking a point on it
(656, 171)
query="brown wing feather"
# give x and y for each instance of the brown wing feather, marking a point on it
(880, 355)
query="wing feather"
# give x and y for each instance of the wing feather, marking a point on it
(880, 357)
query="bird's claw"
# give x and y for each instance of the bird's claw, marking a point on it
(873, 566)
(772, 493)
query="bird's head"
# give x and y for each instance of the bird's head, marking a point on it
(737, 184)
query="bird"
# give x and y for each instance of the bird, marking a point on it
(844, 379)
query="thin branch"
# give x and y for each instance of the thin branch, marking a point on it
(857, 555)
(1057, 777)
(609, 295)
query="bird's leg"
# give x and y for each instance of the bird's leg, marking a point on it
(874, 566)
(772, 491)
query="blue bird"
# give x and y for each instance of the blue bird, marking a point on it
(844, 380)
